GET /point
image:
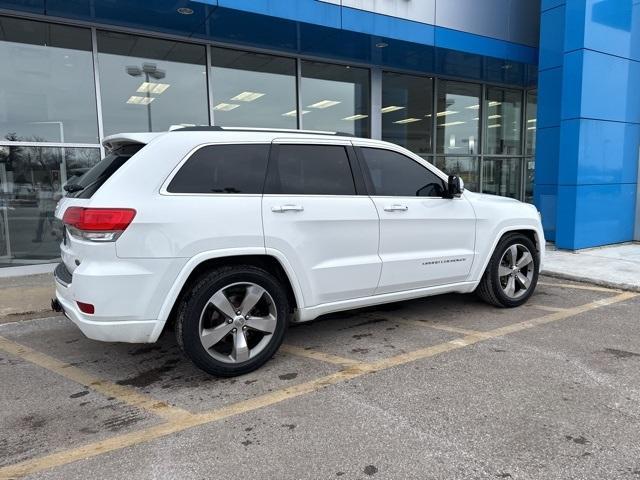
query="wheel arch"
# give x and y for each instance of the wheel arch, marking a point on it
(199, 265)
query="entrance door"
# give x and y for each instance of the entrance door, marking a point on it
(314, 217)
(425, 239)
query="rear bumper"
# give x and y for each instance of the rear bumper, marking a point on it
(104, 328)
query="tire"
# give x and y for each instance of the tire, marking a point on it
(495, 285)
(219, 337)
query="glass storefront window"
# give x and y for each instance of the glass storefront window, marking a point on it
(530, 168)
(502, 176)
(147, 84)
(335, 98)
(31, 181)
(457, 118)
(407, 111)
(253, 89)
(47, 90)
(468, 168)
(532, 120)
(503, 116)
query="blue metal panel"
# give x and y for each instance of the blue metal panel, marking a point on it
(586, 218)
(549, 97)
(549, 4)
(552, 38)
(390, 27)
(547, 155)
(598, 152)
(31, 6)
(608, 26)
(601, 86)
(546, 199)
(467, 42)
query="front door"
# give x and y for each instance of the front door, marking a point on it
(315, 218)
(425, 239)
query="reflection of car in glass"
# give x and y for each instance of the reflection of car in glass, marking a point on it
(230, 234)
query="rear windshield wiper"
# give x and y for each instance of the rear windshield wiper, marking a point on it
(73, 187)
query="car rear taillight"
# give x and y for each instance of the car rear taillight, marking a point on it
(98, 224)
(86, 308)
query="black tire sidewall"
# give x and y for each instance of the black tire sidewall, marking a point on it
(501, 248)
(202, 292)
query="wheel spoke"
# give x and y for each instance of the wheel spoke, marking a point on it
(222, 303)
(251, 298)
(262, 324)
(510, 289)
(513, 251)
(504, 271)
(210, 337)
(240, 351)
(526, 259)
(524, 281)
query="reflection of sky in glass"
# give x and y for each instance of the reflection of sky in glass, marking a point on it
(183, 101)
(46, 92)
(457, 118)
(349, 87)
(503, 117)
(531, 124)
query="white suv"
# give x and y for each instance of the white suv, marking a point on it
(233, 233)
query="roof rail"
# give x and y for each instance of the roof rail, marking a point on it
(217, 128)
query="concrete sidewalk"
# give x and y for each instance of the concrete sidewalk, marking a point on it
(616, 266)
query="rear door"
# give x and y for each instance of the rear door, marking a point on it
(316, 217)
(425, 239)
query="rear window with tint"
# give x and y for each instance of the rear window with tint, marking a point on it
(223, 169)
(89, 183)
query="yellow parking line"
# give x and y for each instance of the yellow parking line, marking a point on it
(316, 355)
(548, 308)
(122, 393)
(437, 326)
(189, 421)
(593, 288)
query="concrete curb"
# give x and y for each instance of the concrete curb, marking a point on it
(592, 281)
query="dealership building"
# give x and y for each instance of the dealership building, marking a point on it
(538, 100)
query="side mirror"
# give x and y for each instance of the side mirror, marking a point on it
(455, 186)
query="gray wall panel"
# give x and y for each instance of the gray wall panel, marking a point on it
(482, 17)
(524, 22)
(422, 11)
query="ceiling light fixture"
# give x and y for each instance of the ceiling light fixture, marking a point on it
(391, 108)
(408, 120)
(382, 45)
(495, 125)
(135, 100)
(356, 117)
(185, 11)
(445, 113)
(294, 113)
(493, 117)
(225, 107)
(451, 124)
(247, 96)
(324, 104)
(151, 87)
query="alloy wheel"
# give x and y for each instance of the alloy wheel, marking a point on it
(516, 271)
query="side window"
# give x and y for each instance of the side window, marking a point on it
(310, 170)
(223, 169)
(393, 174)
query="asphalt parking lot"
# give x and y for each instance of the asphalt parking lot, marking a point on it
(438, 388)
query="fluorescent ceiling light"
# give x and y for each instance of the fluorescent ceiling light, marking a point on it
(355, 117)
(247, 96)
(495, 125)
(473, 107)
(135, 100)
(532, 120)
(391, 108)
(408, 120)
(324, 104)
(151, 87)
(494, 104)
(445, 113)
(293, 113)
(451, 124)
(225, 107)
(493, 117)
(531, 128)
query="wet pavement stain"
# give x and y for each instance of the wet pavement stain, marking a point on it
(370, 470)
(362, 335)
(579, 440)
(79, 394)
(287, 376)
(149, 377)
(362, 324)
(620, 353)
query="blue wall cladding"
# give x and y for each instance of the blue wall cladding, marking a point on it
(593, 164)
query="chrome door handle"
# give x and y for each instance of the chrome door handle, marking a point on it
(396, 208)
(287, 208)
